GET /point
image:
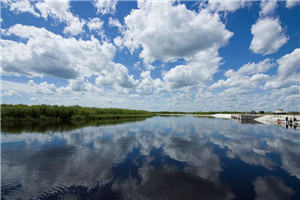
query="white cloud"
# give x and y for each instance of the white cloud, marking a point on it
(288, 71)
(284, 86)
(150, 67)
(21, 7)
(226, 5)
(95, 24)
(75, 26)
(289, 64)
(267, 7)
(116, 75)
(57, 9)
(168, 32)
(148, 85)
(14, 86)
(42, 88)
(105, 6)
(291, 3)
(114, 23)
(42, 54)
(74, 88)
(197, 71)
(268, 36)
(248, 76)
(60, 10)
(134, 96)
(81, 86)
(10, 93)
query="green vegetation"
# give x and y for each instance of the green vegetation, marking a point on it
(45, 126)
(56, 113)
(293, 113)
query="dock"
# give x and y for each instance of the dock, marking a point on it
(245, 116)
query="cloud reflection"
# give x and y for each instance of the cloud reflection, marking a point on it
(143, 159)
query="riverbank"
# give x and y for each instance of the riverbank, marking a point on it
(224, 116)
(14, 113)
(277, 119)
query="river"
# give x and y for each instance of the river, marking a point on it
(164, 158)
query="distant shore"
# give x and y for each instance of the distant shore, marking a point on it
(20, 112)
(225, 116)
(270, 119)
(278, 119)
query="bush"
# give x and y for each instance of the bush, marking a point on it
(64, 113)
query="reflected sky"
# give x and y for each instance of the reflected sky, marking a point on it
(159, 158)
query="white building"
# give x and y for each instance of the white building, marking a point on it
(280, 111)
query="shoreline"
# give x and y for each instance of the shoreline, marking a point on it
(277, 119)
(269, 119)
(224, 116)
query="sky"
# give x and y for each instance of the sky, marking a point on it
(158, 55)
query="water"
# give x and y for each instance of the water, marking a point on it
(159, 158)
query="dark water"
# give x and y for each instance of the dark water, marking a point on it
(159, 158)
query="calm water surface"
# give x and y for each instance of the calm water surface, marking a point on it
(159, 158)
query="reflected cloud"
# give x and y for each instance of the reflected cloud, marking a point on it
(144, 159)
(270, 187)
(167, 184)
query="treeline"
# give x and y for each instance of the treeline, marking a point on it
(42, 126)
(22, 112)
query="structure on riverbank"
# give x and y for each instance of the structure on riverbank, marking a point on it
(279, 120)
(245, 116)
(280, 112)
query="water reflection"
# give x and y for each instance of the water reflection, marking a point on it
(159, 158)
(56, 126)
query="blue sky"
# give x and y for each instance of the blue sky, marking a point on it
(152, 55)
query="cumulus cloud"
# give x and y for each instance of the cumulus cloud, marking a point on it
(268, 36)
(226, 5)
(287, 73)
(9, 93)
(199, 70)
(42, 88)
(60, 10)
(73, 88)
(115, 23)
(248, 76)
(291, 3)
(267, 7)
(21, 7)
(166, 32)
(96, 25)
(289, 64)
(148, 85)
(42, 54)
(81, 86)
(240, 89)
(105, 6)
(116, 75)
